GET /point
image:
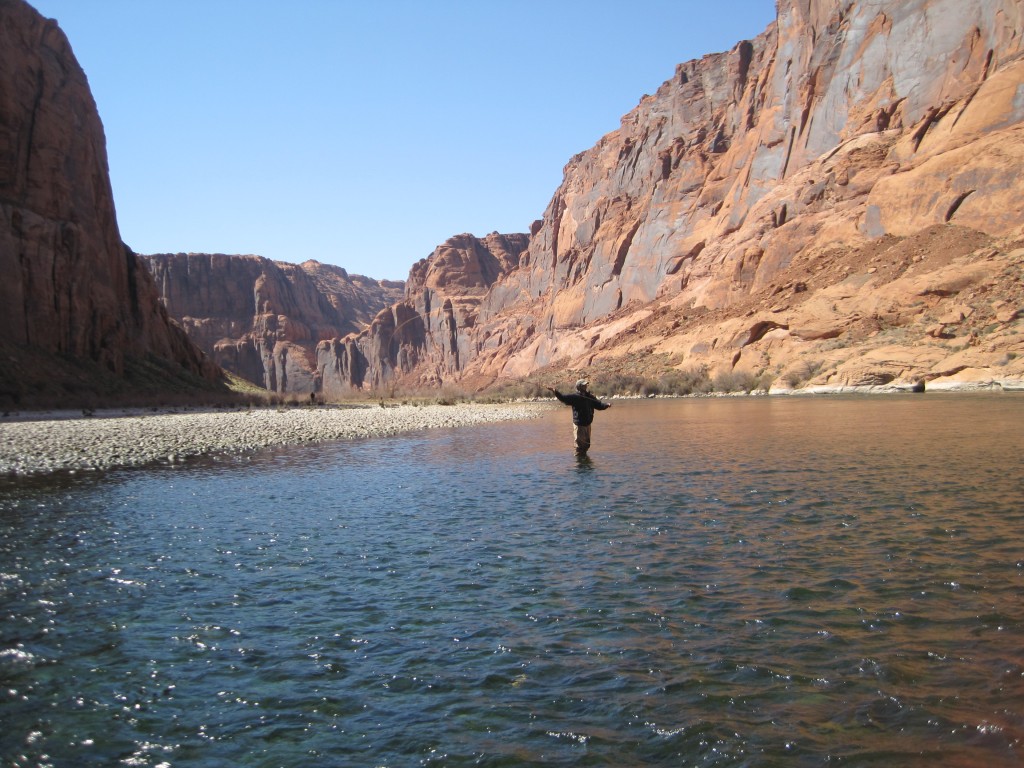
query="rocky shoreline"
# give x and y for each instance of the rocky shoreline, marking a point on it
(37, 444)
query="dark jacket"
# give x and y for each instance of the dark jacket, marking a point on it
(583, 407)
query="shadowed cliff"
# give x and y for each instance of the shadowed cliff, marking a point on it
(263, 319)
(834, 204)
(313, 328)
(80, 317)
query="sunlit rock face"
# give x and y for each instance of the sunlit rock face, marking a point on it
(834, 203)
(790, 197)
(423, 340)
(847, 106)
(263, 319)
(70, 287)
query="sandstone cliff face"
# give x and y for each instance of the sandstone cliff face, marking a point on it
(263, 319)
(835, 203)
(70, 286)
(423, 340)
(793, 204)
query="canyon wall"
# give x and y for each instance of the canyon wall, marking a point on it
(71, 290)
(840, 196)
(423, 340)
(262, 319)
(834, 203)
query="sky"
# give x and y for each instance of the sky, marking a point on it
(366, 133)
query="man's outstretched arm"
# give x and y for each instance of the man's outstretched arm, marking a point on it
(557, 394)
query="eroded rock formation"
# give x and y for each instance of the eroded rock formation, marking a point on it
(423, 340)
(835, 203)
(71, 290)
(787, 206)
(262, 319)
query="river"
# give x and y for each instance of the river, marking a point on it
(757, 581)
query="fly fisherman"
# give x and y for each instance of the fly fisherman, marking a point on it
(583, 403)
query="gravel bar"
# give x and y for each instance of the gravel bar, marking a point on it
(37, 446)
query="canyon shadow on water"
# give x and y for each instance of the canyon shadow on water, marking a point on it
(724, 582)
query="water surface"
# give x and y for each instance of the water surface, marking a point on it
(725, 582)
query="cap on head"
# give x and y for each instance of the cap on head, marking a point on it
(581, 385)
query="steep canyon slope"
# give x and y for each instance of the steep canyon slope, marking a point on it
(262, 319)
(423, 340)
(836, 203)
(80, 318)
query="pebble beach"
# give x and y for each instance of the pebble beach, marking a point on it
(38, 444)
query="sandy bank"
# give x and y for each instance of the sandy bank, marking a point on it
(38, 446)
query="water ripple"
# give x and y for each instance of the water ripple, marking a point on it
(724, 583)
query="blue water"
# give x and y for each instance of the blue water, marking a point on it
(726, 582)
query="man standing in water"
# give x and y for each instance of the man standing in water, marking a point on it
(583, 405)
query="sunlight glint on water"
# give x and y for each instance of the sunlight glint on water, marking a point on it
(725, 582)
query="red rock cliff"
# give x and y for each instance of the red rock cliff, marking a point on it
(70, 287)
(262, 319)
(840, 195)
(423, 340)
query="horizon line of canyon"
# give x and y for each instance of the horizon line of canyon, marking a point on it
(833, 205)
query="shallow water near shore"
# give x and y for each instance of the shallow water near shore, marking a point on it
(724, 582)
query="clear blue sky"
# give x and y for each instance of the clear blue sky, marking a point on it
(364, 134)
